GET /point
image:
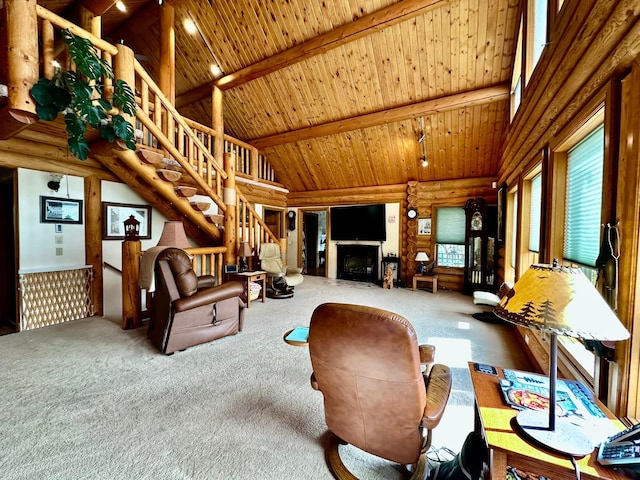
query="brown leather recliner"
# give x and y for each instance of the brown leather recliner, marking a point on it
(188, 310)
(367, 364)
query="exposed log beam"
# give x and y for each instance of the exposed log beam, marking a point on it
(383, 18)
(428, 107)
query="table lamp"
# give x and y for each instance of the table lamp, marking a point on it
(244, 251)
(173, 235)
(421, 257)
(558, 300)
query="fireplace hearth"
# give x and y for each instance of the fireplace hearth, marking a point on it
(358, 262)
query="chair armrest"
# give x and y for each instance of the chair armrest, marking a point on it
(427, 353)
(293, 270)
(438, 387)
(209, 295)
(205, 281)
(314, 382)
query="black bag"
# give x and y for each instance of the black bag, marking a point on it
(467, 465)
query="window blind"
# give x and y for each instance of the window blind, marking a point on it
(450, 225)
(534, 213)
(584, 199)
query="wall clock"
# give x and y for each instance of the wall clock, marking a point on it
(412, 213)
(291, 215)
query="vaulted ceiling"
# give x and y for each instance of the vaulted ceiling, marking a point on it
(334, 92)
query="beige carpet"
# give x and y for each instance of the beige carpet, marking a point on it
(87, 400)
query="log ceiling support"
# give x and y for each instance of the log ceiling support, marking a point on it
(167, 65)
(231, 201)
(376, 21)
(428, 107)
(138, 24)
(93, 238)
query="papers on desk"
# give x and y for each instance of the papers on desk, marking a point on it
(574, 401)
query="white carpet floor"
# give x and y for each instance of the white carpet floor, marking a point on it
(87, 400)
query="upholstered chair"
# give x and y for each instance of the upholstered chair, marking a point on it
(281, 279)
(382, 392)
(187, 310)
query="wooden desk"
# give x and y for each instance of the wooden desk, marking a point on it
(426, 278)
(258, 276)
(506, 448)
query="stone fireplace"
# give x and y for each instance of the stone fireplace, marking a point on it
(358, 262)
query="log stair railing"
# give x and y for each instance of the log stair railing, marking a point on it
(179, 166)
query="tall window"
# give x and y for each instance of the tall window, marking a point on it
(450, 230)
(583, 201)
(534, 213)
(516, 75)
(537, 33)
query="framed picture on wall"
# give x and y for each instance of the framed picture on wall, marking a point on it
(115, 214)
(60, 210)
(424, 226)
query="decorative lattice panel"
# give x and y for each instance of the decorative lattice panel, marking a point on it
(48, 298)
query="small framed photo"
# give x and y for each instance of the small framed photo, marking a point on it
(60, 210)
(424, 226)
(115, 214)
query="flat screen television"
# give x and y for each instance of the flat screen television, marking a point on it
(359, 222)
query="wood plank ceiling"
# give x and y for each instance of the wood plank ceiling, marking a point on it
(349, 114)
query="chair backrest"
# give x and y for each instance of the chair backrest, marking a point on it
(270, 259)
(179, 263)
(366, 362)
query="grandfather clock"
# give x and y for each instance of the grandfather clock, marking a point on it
(480, 246)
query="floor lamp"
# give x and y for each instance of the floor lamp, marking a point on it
(560, 301)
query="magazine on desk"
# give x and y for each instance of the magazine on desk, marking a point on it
(574, 400)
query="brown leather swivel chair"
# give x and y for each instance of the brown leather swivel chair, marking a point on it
(188, 310)
(367, 364)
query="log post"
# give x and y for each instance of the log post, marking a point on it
(253, 164)
(167, 69)
(131, 304)
(22, 66)
(93, 238)
(230, 200)
(123, 69)
(218, 124)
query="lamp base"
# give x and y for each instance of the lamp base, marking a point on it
(567, 438)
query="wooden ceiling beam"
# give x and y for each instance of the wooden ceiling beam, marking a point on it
(383, 18)
(428, 107)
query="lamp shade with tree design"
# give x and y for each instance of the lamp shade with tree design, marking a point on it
(558, 300)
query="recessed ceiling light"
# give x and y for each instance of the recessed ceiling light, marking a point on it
(121, 6)
(215, 69)
(189, 26)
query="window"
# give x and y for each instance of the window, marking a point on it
(583, 201)
(450, 231)
(536, 33)
(534, 213)
(516, 76)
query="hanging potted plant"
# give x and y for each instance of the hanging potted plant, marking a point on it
(79, 95)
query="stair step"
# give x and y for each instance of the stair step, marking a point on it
(215, 219)
(169, 175)
(147, 156)
(185, 191)
(200, 206)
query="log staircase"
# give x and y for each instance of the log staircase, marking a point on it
(180, 167)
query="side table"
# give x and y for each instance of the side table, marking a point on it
(258, 276)
(426, 278)
(493, 420)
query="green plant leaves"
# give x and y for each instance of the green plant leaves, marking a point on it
(79, 94)
(123, 97)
